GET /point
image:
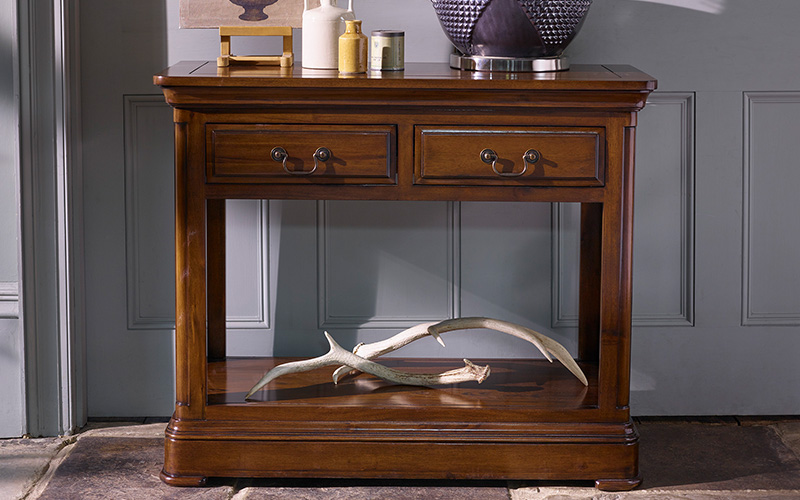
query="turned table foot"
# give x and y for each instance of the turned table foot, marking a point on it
(618, 484)
(182, 480)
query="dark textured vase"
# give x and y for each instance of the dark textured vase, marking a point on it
(511, 28)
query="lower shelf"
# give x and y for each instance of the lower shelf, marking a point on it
(529, 420)
(516, 387)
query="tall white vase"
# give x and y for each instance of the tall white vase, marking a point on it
(322, 27)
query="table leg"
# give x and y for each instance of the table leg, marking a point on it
(615, 286)
(215, 262)
(589, 295)
(190, 279)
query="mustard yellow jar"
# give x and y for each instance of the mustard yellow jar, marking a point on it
(353, 49)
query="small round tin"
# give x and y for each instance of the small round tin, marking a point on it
(387, 51)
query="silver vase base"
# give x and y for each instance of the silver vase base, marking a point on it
(509, 64)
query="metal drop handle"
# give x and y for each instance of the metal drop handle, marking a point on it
(280, 155)
(321, 155)
(531, 156)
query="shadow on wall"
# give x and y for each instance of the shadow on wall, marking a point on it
(710, 6)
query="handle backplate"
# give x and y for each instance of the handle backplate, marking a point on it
(490, 157)
(321, 155)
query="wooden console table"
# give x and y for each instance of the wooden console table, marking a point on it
(429, 133)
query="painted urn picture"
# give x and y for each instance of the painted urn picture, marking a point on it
(511, 35)
(253, 9)
(216, 13)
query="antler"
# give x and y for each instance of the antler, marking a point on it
(340, 356)
(545, 344)
(393, 343)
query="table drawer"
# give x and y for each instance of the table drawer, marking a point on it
(526, 156)
(292, 154)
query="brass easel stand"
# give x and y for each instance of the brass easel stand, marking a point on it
(285, 60)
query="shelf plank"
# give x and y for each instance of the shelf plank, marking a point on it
(513, 384)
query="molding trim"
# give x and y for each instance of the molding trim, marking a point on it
(685, 315)
(136, 320)
(562, 316)
(327, 320)
(749, 316)
(261, 320)
(52, 291)
(9, 299)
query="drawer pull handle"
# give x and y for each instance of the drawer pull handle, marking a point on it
(280, 155)
(490, 157)
(322, 154)
(531, 156)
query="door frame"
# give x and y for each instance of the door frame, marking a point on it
(52, 270)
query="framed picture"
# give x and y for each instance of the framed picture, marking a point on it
(216, 13)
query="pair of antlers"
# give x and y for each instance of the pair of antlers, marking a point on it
(360, 358)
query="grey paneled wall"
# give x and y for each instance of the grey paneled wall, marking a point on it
(715, 273)
(771, 273)
(739, 273)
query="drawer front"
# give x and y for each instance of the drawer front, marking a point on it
(285, 154)
(517, 156)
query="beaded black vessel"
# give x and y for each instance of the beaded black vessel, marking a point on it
(511, 28)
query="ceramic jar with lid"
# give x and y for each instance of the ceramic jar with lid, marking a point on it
(322, 27)
(387, 50)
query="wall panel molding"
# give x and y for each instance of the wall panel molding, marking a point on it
(136, 168)
(566, 226)
(329, 318)
(565, 236)
(9, 299)
(51, 215)
(150, 179)
(770, 275)
(683, 315)
(259, 318)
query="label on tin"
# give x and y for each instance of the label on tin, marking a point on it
(387, 51)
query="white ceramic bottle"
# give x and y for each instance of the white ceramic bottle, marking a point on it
(322, 27)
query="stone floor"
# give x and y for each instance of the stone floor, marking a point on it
(697, 459)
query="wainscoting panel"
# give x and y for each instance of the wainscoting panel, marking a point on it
(386, 264)
(566, 261)
(9, 299)
(663, 248)
(247, 264)
(663, 223)
(149, 187)
(149, 212)
(505, 274)
(771, 219)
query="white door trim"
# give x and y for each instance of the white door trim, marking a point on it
(51, 216)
